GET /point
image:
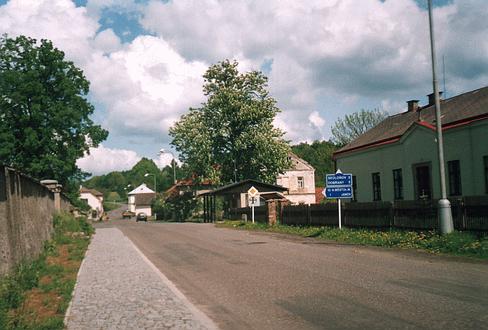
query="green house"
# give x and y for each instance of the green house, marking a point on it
(398, 160)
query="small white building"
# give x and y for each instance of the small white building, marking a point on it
(300, 181)
(140, 199)
(94, 199)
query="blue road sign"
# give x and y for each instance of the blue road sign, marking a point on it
(338, 179)
(338, 192)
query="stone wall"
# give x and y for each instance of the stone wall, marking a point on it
(26, 217)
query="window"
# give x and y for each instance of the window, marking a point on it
(454, 170)
(398, 184)
(300, 182)
(485, 160)
(422, 181)
(354, 189)
(376, 187)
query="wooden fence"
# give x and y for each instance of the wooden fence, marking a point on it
(469, 214)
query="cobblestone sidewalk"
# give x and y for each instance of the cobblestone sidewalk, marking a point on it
(118, 288)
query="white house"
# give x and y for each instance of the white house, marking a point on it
(94, 199)
(139, 199)
(300, 181)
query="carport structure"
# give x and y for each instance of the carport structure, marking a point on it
(234, 192)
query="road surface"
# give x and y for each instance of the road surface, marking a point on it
(246, 280)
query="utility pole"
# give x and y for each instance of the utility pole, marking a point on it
(173, 162)
(444, 207)
(154, 175)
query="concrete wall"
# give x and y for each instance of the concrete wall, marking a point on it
(132, 203)
(26, 217)
(466, 144)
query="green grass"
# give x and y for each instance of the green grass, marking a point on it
(456, 243)
(52, 274)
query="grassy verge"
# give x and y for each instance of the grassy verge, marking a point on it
(456, 243)
(37, 294)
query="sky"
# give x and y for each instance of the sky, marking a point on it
(324, 59)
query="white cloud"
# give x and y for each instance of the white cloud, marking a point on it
(61, 21)
(316, 120)
(145, 86)
(102, 160)
(373, 49)
(107, 41)
(343, 51)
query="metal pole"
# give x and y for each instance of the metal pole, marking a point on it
(174, 168)
(445, 216)
(252, 210)
(340, 214)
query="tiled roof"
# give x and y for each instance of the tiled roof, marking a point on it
(91, 191)
(457, 109)
(144, 199)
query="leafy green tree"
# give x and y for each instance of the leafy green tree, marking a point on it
(319, 155)
(44, 115)
(353, 125)
(232, 134)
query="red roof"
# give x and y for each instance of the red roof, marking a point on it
(456, 111)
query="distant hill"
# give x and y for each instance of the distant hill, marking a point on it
(116, 184)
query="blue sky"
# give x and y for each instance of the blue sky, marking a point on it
(324, 59)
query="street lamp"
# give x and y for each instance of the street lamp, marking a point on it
(148, 174)
(162, 151)
(445, 216)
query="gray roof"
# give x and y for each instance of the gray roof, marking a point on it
(457, 109)
(244, 186)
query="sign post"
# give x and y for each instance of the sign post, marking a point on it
(253, 195)
(338, 186)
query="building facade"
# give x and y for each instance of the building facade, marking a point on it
(299, 180)
(94, 199)
(140, 199)
(398, 159)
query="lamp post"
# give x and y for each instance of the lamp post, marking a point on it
(445, 216)
(155, 188)
(162, 151)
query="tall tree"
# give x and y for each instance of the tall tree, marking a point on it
(353, 125)
(231, 136)
(45, 125)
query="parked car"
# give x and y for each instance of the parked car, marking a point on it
(141, 216)
(127, 214)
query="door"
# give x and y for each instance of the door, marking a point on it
(423, 185)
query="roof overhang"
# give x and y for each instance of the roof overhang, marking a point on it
(243, 187)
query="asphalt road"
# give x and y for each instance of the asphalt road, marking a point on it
(248, 280)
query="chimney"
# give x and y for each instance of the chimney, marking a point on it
(432, 99)
(413, 105)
